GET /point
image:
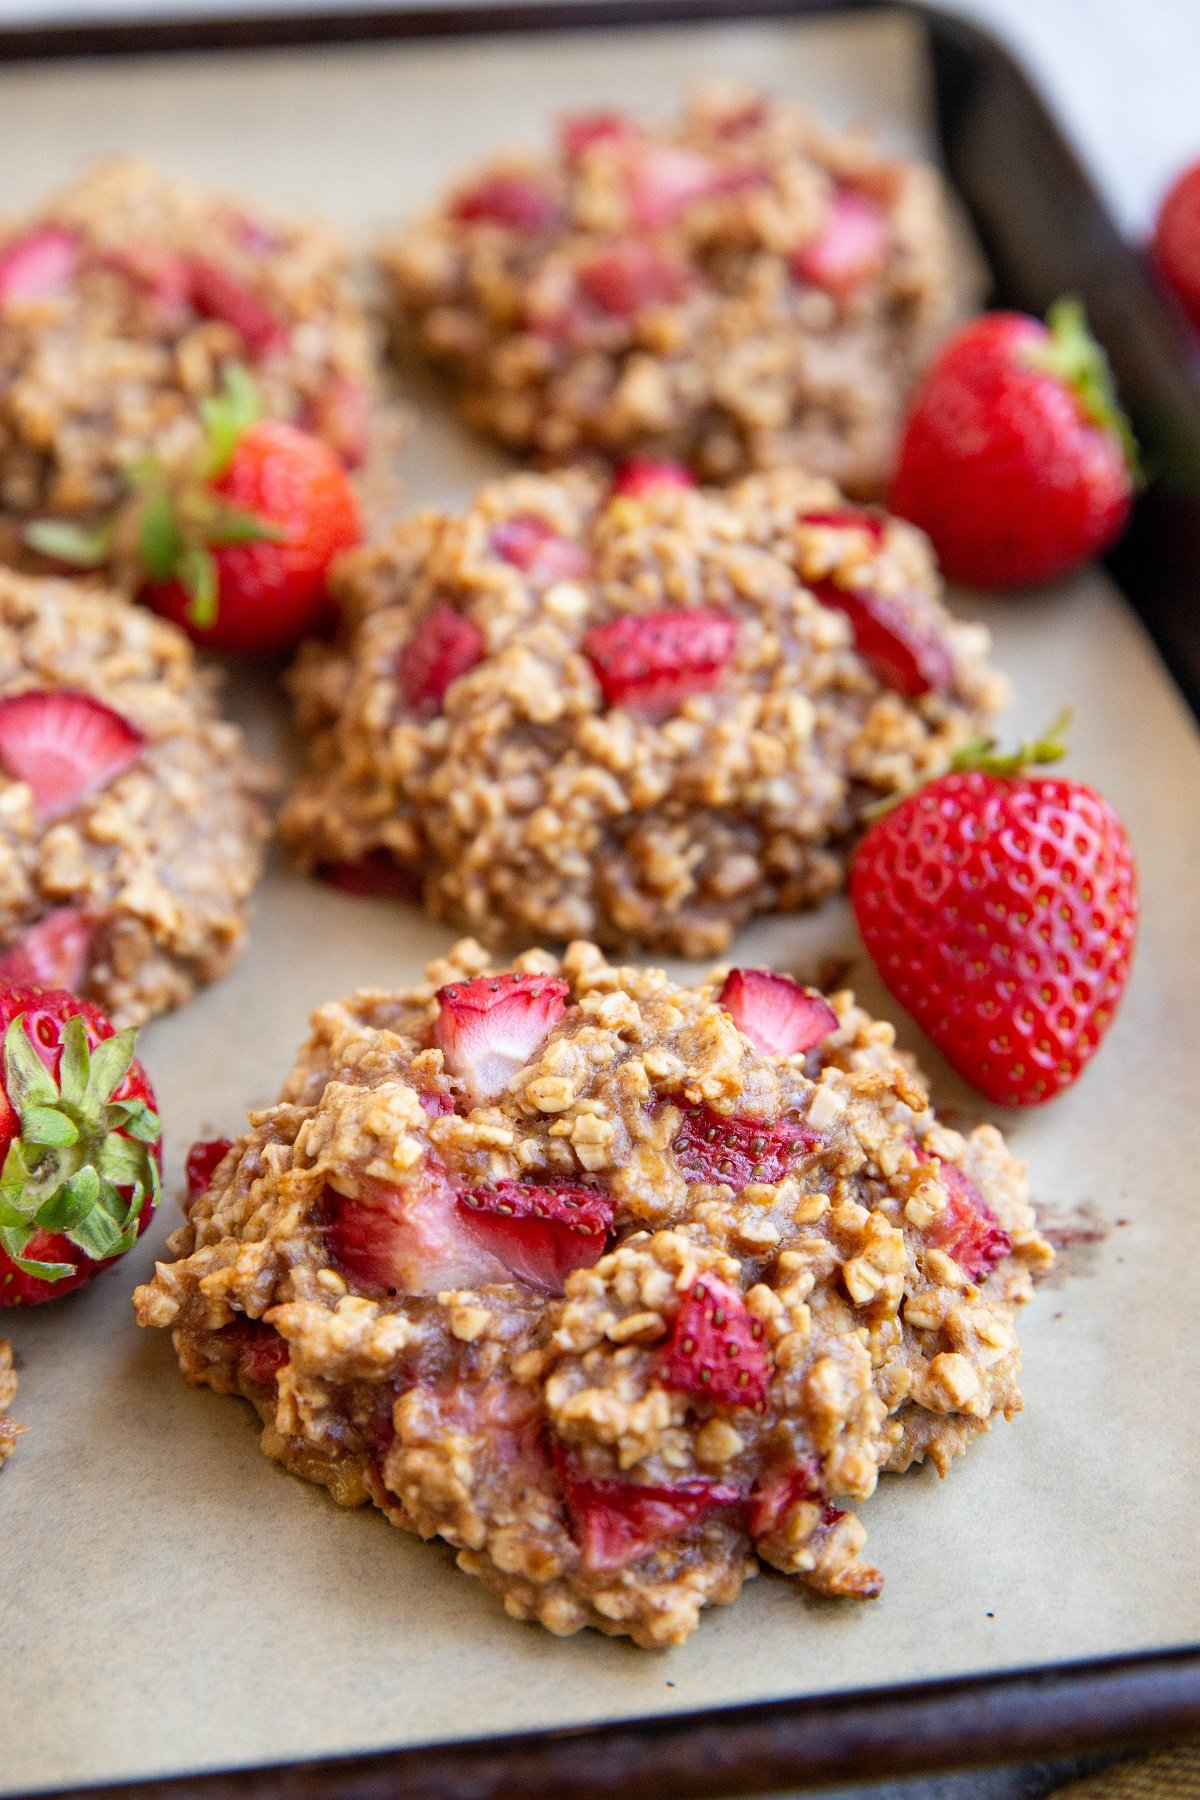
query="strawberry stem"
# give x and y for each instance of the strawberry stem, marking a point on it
(1076, 358)
(226, 416)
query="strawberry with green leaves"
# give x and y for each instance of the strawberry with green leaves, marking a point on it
(80, 1145)
(237, 548)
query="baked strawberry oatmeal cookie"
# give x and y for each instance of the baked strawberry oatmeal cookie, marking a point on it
(10, 1431)
(640, 713)
(132, 820)
(120, 304)
(742, 289)
(615, 1285)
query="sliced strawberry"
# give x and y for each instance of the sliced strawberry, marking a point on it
(664, 180)
(511, 200)
(773, 1496)
(376, 876)
(51, 954)
(710, 1147)
(901, 650)
(216, 294)
(38, 265)
(716, 1347)
(780, 1017)
(652, 661)
(849, 249)
(410, 1240)
(203, 1160)
(630, 275)
(640, 477)
(848, 518)
(616, 1522)
(261, 1350)
(66, 745)
(442, 647)
(489, 1028)
(535, 548)
(541, 1233)
(968, 1230)
(578, 132)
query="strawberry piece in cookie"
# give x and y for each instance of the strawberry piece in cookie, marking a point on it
(38, 265)
(442, 647)
(850, 250)
(780, 1017)
(489, 1028)
(612, 1345)
(650, 662)
(65, 745)
(52, 953)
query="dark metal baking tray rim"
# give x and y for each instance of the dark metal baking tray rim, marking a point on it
(1045, 231)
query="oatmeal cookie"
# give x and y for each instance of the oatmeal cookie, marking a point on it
(636, 716)
(615, 1285)
(120, 304)
(132, 821)
(10, 1431)
(742, 288)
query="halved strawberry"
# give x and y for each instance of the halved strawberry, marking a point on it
(616, 1522)
(535, 548)
(51, 953)
(578, 132)
(848, 250)
(968, 1230)
(489, 1028)
(650, 662)
(848, 518)
(630, 275)
(716, 1347)
(640, 476)
(441, 647)
(65, 745)
(780, 1017)
(711, 1147)
(203, 1160)
(39, 264)
(541, 1233)
(663, 180)
(512, 200)
(216, 294)
(410, 1240)
(901, 650)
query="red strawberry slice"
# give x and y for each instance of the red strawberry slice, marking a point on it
(541, 1233)
(535, 548)
(489, 1028)
(442, 647)
(848, 250)
(579, 132)
(651, 662)
(410, 1240)
(716, 1347)
(261, 1350)
(630, 275)
(511, 200)
(664, 180)
(616, 1522)
(376, 876)
(780, 1017)
(968, 1230)
(848, 518)
(710, 1147)
(66, 745)
(203, 1160)
(38, 265)
(773, 1496)
(639, 477)
(51, 954)
(901, 650)
(216, 294)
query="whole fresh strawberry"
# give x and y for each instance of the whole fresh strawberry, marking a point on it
(1015, 457)
(1000, 907)
(238, 549)
(80, 1144)
(1175, 246)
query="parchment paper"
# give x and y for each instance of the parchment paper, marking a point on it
(169, 1600)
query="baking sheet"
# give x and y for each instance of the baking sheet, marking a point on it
(169, 1600)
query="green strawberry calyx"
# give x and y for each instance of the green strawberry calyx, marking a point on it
(82, 1164)
(983, 756)
(1075, 357)
(169, 525)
